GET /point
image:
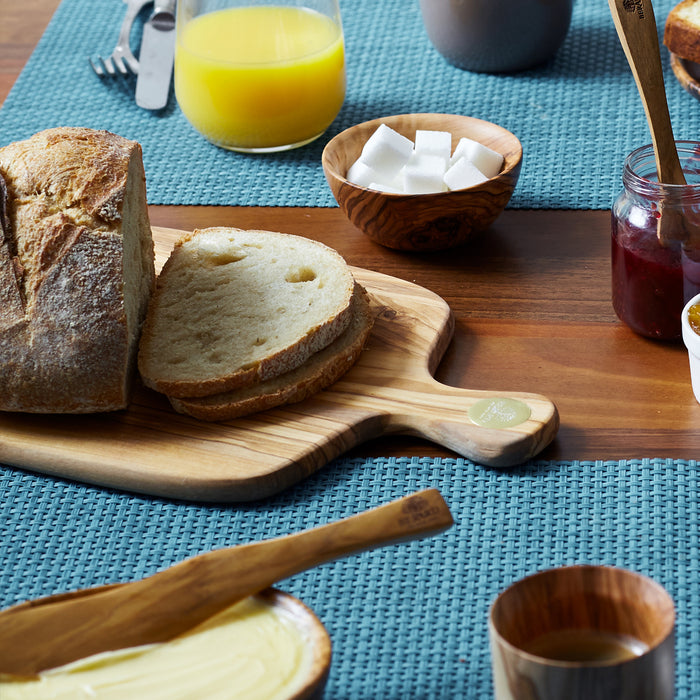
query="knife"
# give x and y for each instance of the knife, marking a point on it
(156, 57)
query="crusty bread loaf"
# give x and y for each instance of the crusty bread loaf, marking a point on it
(320, 371)
(682, 30)
(76, 270)
(235, 307)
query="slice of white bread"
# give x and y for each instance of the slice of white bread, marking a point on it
(76, 270)
(234, 307)
(320, 371)
(682, 30)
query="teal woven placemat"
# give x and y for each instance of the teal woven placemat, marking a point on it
(408, 622)
(577, 116)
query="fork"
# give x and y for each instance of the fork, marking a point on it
(121, 60)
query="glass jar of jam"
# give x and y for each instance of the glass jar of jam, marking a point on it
(652, 279)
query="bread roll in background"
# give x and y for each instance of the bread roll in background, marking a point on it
(76, 270)
(682, 30)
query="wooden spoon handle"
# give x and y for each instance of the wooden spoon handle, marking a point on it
(636, 28)
(54, 631)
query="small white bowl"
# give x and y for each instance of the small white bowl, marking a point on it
(692, 342)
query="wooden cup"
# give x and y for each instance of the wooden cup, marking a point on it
(554, 607)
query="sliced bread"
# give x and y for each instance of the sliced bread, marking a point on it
(234, 307)
(682, 30)
(320, 371)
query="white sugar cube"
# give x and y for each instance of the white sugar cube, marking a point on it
(427, 162)
(424, 175)
(361, 174)
(488, 161)
(386, 152)
(462, 149)
(392, 163)
(436, 143)
(463, 174)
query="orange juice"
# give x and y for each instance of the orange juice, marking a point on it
(260, 78)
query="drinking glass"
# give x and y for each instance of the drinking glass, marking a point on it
(258, 76)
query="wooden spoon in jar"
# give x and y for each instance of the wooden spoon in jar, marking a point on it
(49, 632)
(636, 28)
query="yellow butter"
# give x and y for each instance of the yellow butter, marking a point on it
(251, 651)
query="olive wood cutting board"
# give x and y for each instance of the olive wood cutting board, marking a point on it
(151, 449)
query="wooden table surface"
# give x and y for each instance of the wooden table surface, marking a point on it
(531, 298)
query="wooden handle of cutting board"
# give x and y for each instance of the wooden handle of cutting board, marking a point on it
(53, 631)
(381, 396)
(441, 414)
(427, 409)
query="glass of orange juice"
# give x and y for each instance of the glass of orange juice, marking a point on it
(256, 76)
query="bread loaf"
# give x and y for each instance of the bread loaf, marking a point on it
(320, 371)
(76, 270)
(682, 30)
(233, 307)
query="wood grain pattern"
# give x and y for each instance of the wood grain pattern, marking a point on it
(21, 27)
(53, 631)
(151, 449)
(637, 31)
(294, 610)
(687, 73)
(423, 222)
(607, 599)
(636, 28)
(531, 302)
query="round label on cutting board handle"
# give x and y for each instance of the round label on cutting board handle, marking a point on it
(499, 412)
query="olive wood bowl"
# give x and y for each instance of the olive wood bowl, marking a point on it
(49, 632)
(604, 599)
(299, 615)
(687, 73)
(423, 222)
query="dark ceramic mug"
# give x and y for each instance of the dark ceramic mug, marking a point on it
(494, 36)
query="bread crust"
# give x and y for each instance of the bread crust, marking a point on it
(319, 372)
(682, 31)
(64, 334)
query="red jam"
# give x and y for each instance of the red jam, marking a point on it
(647, 279)
(652, 280)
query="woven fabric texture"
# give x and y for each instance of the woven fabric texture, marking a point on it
(408, 621)
(577, 116)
